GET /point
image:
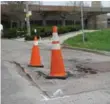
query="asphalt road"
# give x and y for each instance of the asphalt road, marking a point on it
(18, 90)
(14, 88)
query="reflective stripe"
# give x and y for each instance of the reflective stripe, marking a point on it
(55, 37)
(55, 42)
(54, 33)
(55, 46)
(35, 42)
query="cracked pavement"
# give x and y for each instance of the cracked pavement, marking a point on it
(81, 88)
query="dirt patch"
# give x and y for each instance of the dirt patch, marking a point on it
(94, 68)
(85, 69)
(76, 68)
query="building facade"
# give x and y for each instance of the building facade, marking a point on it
(94, 17)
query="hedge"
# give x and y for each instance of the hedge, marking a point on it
(41, 31)
(13, 33)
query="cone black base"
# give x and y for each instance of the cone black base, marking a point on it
(40, 66)
(56, 77)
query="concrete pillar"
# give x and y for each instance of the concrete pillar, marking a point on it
(44, 16)
(92, 22)
(22, 24)
(74, 22)
(11, 24)
(101, 21)
(18, 24)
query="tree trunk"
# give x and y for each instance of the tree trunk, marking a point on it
(63, 22)
(11, 24)
(44, 22)
(28, 19)
(74, 22)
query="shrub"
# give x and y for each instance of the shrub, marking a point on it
(10, 33)
(44, 31)
(13, 33)
(61, 30)
(47, 31)
(27, 37)
(77, 27)
(21, 33)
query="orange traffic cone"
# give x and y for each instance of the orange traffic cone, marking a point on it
(35, 56)
(57, 64)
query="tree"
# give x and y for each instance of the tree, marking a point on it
(28, 19)
(15, 8)
(81, 5)
(63, 13)
(42, 13)
(82, 21)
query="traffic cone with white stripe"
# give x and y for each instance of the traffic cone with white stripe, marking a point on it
(35, 56)
(57, 64)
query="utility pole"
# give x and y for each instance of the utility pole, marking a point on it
(82, 21)
(27, 19)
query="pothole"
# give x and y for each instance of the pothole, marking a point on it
(75, 66)
(21, 72)
(52, 88)
(85, 70)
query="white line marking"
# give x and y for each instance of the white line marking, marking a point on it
(58, 92)
(45, 98)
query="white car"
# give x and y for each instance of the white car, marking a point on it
(1, 29)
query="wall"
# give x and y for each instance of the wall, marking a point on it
(101, 21)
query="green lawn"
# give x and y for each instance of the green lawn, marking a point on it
(99, 40)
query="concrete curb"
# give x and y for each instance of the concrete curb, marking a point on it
(86, 50)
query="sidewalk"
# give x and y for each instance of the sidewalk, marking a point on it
(62, 36)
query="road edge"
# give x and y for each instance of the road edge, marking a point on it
(86, 50)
